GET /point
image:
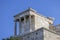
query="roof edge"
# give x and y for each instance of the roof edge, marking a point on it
(29, 9)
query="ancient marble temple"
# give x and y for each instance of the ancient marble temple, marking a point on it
(34, 26)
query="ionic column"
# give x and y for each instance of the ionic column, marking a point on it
(15, 28)
(19, 26)
(24, 24)
(30, 20)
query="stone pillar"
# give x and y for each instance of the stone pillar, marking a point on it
(24, 23)
(15, 28)
(30, 21)
(19, 26)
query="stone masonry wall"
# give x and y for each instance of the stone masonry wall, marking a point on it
(37, 35)
(49, 35)
(41, 34)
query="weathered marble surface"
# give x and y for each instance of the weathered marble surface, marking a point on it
(41, 34)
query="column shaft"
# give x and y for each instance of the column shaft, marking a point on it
(24, 24)
(19, 26)
(30, 21)
(15, 28)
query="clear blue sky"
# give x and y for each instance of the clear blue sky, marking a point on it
(8, 8)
